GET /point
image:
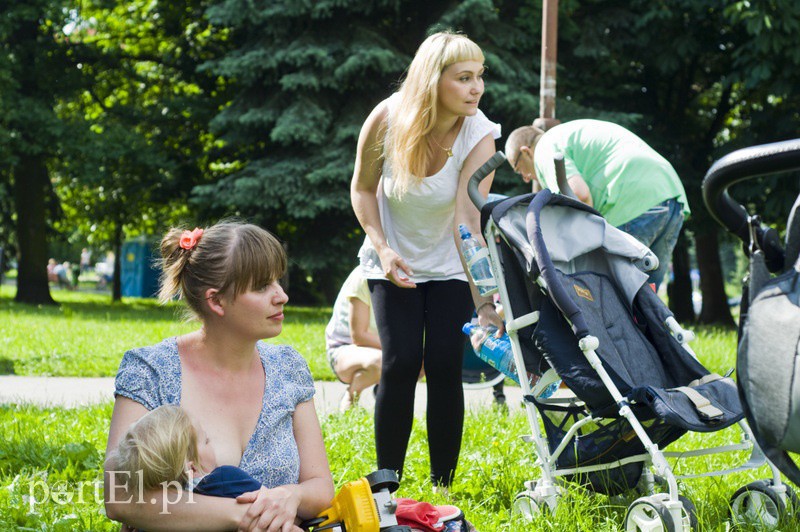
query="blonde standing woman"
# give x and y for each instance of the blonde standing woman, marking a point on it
(254, 400)
(415, 153)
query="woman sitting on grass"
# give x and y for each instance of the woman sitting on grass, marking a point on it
(253, 399)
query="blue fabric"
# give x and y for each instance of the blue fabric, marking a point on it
(151, 376)
(658, 229)
(227, 481)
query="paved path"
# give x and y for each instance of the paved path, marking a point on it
(75, 391)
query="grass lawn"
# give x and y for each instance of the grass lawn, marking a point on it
(51, 463)
(87, 335)
(51, 458)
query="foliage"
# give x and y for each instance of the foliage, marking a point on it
(49, 457)
(147, 111)
(114, 107)
(305, 76)
(700, 79)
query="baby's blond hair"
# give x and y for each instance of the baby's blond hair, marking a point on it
(158, 445)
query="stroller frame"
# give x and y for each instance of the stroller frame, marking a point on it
(544, 493)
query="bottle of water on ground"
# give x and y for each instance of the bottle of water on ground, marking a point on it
(477, 259)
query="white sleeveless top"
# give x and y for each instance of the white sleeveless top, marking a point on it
(419, 227)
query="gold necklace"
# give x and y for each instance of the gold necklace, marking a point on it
(448, 151)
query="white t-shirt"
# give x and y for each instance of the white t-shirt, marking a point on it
(337, 333)
(419, 227)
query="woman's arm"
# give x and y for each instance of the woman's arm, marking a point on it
(159, 509)
(277, 508)
(359, 325)
(467, 214)
(363, 189)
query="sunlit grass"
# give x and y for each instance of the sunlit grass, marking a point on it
(87, 334)
(62, 449)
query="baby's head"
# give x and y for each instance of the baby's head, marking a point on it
(166, 446)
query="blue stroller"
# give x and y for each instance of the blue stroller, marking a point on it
(578, 307)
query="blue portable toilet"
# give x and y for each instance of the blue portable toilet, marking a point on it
(139, 271)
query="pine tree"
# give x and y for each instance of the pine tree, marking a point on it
(306, 76)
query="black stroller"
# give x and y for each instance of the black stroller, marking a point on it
(578, 307)
(769, 324)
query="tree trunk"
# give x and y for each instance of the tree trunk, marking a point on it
(715, 302)
(31, 186)
(680, 289)
(116, 287)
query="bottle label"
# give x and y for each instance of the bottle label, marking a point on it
(479, 254)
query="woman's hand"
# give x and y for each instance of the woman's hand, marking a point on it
(487, 315)
(271, 510)
(395, 268)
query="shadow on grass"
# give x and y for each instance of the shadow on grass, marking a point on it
(7, 366)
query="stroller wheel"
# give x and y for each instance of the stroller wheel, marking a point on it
(689, 511)
(651, 515)
(758, 503)
(529, 505)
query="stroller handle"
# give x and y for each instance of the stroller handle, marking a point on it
(739, 166)
(561, 176)
(480, 174)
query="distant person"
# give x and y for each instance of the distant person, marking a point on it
(59, 273)
(86, 261)
(352, 341)
(105, 270)
(167, 448)
(75, 272)
(614, 171)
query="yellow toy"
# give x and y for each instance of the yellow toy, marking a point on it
(363, 505)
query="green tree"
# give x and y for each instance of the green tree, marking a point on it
(35, 71)
(102, 103)
(702, 78)
(149, 109)
(306, 76)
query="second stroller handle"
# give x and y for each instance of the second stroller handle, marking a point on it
(488, 167)
(741, 165)
(561, 176)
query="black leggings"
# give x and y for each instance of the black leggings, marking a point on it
(415, 325)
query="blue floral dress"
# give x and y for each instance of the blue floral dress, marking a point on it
(151, 376)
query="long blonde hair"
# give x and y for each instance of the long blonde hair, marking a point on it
(406, 147)
(159, 445)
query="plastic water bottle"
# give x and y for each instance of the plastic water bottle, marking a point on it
(494, 351)
(477, 259)
(547, 385)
